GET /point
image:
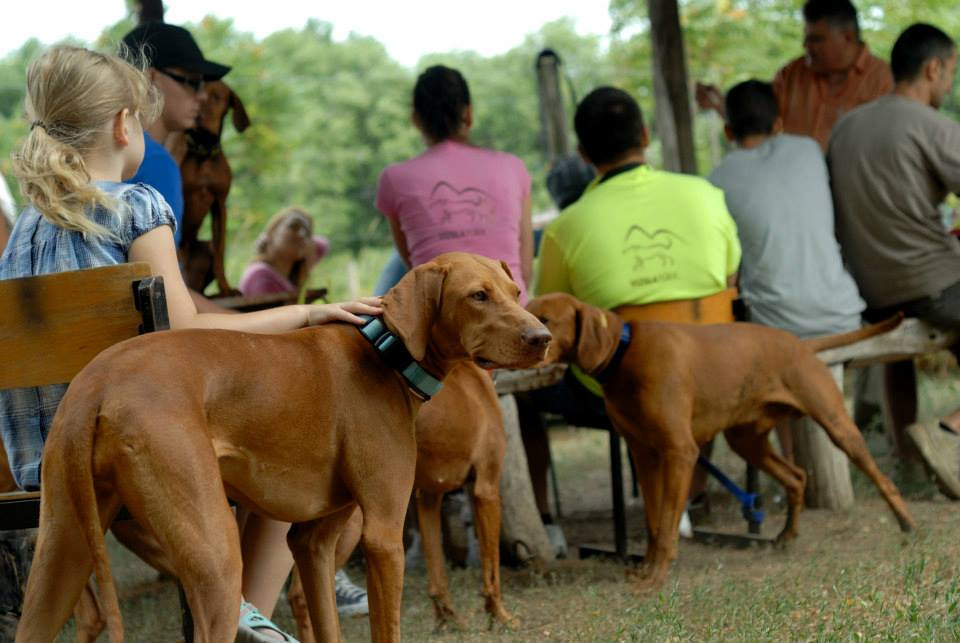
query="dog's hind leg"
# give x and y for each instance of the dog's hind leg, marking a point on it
(486, 514)
(170, 482)
(759, 452)
(428, 517)
(847, 437)
(313, 545)
(61, 568)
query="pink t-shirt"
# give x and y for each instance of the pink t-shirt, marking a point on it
(457, 197)
(260, 278)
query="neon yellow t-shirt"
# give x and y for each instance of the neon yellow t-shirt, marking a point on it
(640, 237)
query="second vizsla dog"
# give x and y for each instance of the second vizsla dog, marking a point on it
(301, 427)
(460, 439)
(676, 385)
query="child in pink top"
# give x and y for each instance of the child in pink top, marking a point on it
(456, 196)
(286, 251)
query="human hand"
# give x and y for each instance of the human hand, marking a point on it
(346, 311)
(709, 97)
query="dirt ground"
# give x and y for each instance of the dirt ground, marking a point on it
(850, 576)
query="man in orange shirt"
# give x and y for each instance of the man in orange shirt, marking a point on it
(836, 74)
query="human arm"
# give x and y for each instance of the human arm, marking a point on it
(526, 241)
(710, 97)
(156, 248)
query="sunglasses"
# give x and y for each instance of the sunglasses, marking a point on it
(196, 84)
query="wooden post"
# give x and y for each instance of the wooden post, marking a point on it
(149, 10)
(674, 120)
(553, 121)
(827, 467)
(521, 529)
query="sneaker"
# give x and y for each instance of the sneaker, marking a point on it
(686, 527)
(938, 448)
(557, 539)
(351, 600)
(256, 628)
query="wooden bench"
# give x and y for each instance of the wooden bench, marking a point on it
(51, 326)
(828, 469)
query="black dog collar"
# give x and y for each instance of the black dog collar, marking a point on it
(625, 337)
(397, 357)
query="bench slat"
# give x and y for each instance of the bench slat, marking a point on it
(912, 337)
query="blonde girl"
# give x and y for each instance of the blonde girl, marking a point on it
(87, 111)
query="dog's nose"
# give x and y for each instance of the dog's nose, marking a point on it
(538, 337)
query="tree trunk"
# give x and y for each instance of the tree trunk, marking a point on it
(827, 467)
(674, 119)
(521, 530)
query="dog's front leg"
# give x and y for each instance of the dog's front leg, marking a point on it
(676, 470)
(486, 512)
(428, 517)
(383, 547)
(313, 545)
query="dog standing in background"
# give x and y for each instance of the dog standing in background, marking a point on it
(206, 183)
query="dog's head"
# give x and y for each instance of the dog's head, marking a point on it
(464, 307)
(220, 100)
(581, 333)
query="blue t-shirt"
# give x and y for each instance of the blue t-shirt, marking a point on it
(39, 247)
(161, 172)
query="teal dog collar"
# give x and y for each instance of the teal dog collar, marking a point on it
(397, 357)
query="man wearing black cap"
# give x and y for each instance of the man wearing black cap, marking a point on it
(178, 69)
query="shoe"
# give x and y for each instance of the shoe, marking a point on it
(939, 449)
(686, 527)
(256, 628)
(351, 600)
(557, 539)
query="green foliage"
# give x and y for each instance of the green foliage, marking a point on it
(329, 115)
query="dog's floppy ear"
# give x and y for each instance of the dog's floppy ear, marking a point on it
(240, 119)
(410, 307)
(595, 340)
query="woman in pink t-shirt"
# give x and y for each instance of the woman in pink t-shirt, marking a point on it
(456, 196)
(286, 251)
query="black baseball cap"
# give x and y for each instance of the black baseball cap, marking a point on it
(166, 45)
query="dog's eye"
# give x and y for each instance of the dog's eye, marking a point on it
(480, 295)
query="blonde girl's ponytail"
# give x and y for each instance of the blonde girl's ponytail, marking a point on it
(73, 94)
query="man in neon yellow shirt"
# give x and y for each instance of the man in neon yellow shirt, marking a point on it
(636, 235)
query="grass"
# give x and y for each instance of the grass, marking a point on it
(851, 576)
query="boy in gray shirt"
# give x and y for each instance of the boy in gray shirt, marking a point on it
(777, 190)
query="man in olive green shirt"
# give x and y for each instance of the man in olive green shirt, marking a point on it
(892, 163)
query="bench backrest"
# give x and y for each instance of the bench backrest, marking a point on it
(51, 326)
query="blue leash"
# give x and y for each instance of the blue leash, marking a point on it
(748, 501)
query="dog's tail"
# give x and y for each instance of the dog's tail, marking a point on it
(78, 474)
(817, 344)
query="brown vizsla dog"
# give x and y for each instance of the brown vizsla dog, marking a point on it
(460, 439)
(206, 183)
(678, 385)
(301, 427)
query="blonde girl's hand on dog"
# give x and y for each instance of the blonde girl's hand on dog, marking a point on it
(346, 311)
